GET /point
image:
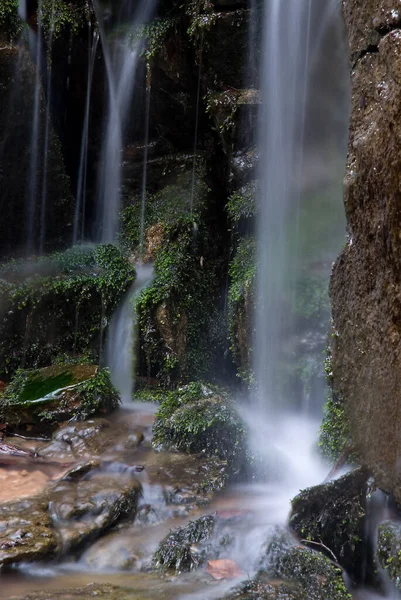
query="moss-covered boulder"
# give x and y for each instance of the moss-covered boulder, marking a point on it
(176, 551)
(59, 305)
(195, 419)
(332, 518)
(56, 394)
(318, 577)
(389, 549)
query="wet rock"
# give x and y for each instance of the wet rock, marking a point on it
(57, 393)
(332, 515)
(80, 440)
(389, 549)
(82, 511)
(368, 21)
(264, 589)
(177, 551)
(198, 419)
(365, 285)
(316, 576)
(26, 533)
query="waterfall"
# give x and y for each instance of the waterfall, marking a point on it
(294, 37)
(122, 38)
(36, 44)
(80, 205)
(120, 356)
(145, 159)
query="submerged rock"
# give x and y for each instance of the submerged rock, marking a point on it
(331, 517)
(198, 419)
(58, 393)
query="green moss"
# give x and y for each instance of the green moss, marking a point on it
(198, 419)
(59, 304)
(316, 574)
(168, 207)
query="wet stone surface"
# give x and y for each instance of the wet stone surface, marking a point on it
(26, 533)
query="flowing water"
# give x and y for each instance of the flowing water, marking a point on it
(122, 41)
(80, 202)
(122, 334)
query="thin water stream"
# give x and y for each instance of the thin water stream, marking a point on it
(122, 334)
(80, 202)
(122, 41)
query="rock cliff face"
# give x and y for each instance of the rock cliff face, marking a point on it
(366, 281)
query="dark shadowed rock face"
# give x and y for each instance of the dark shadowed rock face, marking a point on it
(366, 284)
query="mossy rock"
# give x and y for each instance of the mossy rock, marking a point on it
(317, 576)
(59, 304)
(175, 551)
(57, 393)
(333, 515)
(389, 550)
(195, 419)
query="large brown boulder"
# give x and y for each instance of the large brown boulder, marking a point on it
(366, 281)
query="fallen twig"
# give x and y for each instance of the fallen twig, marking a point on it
(323, 546)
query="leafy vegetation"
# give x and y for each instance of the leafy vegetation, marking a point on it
(61, 16)
(10, 21)
(241, 299)
(59, 304)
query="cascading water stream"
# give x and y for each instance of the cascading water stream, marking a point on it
(121, 39)
(120, 355)
(80, 205)
(145, 159)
